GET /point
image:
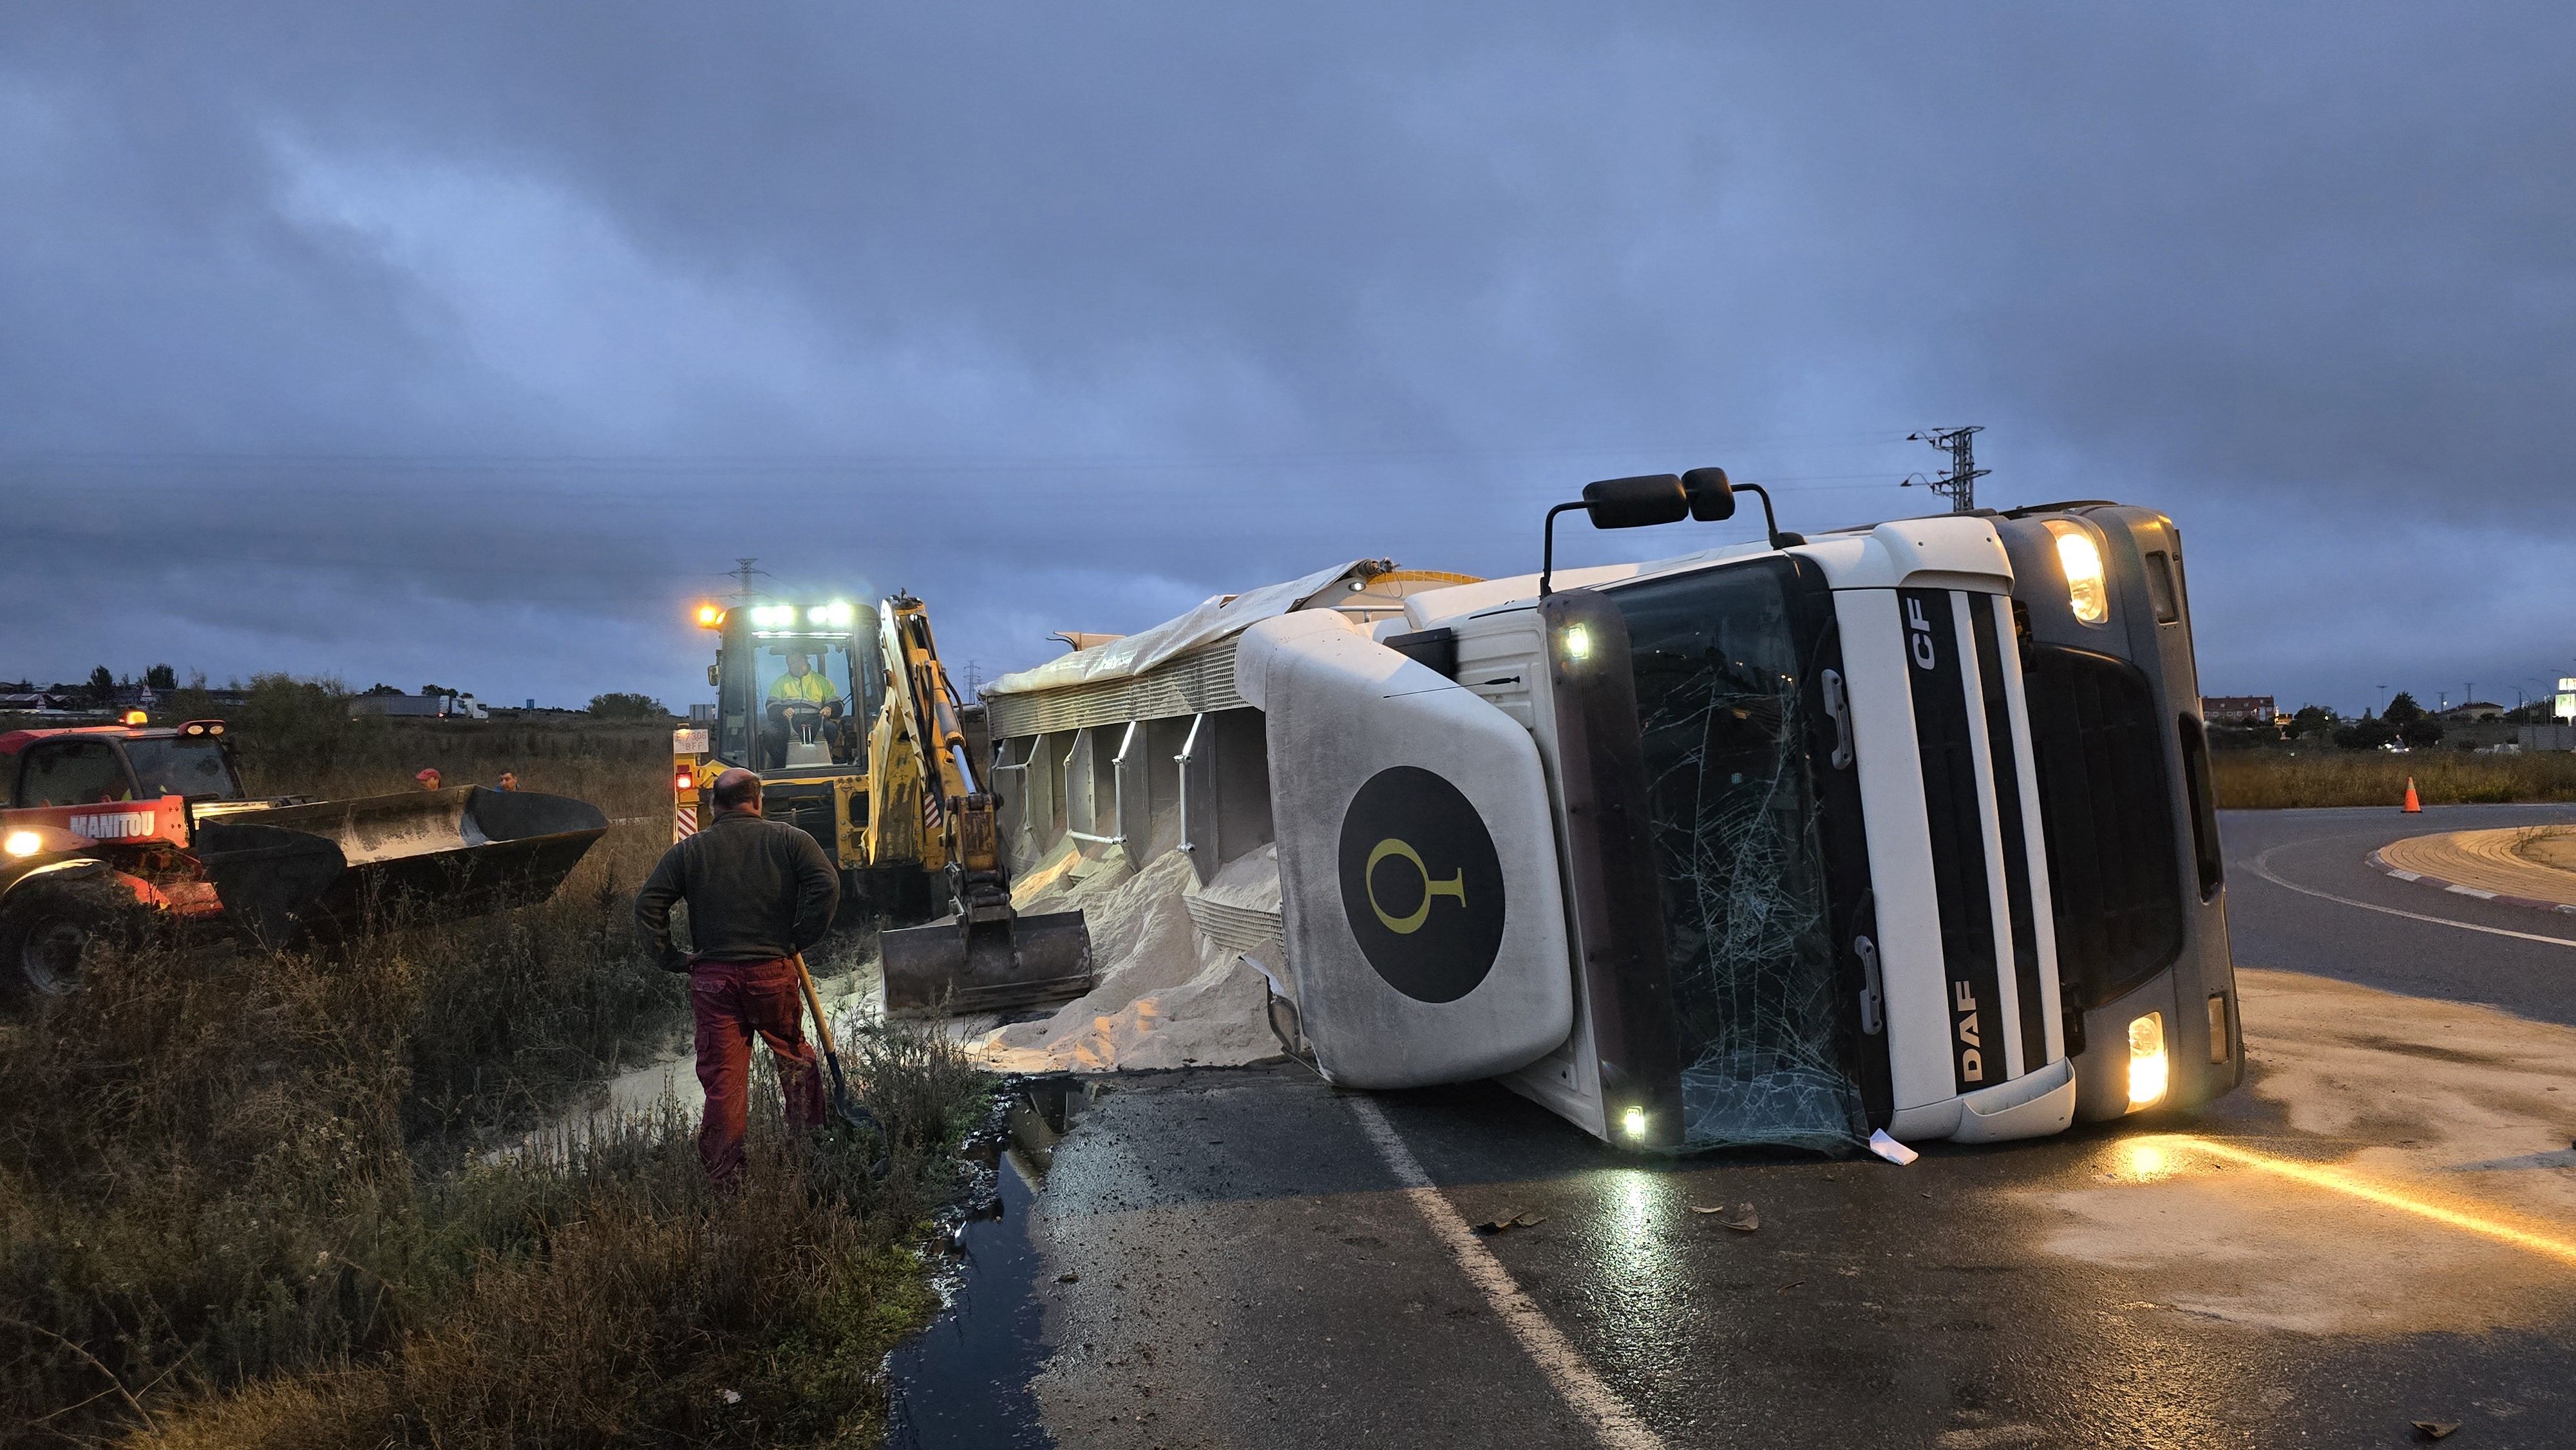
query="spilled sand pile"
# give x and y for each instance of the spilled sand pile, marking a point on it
(1167, 996)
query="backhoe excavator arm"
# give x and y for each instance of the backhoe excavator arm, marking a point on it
(989, 956)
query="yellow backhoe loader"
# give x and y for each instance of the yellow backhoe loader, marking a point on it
(860, 740)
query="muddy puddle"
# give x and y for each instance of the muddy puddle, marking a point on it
(638, 1091)
(964, 1381)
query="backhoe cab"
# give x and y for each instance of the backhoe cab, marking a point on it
(796, 685)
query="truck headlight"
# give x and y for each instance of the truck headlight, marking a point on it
(2088, 592)
(2149, 1069)
(23, 843)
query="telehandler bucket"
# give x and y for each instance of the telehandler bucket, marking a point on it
(318, 873)
(987, 959)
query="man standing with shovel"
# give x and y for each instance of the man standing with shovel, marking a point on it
(759, 893)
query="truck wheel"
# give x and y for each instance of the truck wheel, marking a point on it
(49, 929)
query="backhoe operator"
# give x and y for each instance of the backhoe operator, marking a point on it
(802, 685)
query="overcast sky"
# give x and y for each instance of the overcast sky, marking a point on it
(472, 343)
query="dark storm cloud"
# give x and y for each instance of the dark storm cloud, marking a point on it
(468, 342)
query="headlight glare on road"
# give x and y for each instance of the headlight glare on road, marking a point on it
(2149, 1069)
(2088, 592)
(1633, 1123)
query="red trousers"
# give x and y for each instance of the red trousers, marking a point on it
(732, 1001)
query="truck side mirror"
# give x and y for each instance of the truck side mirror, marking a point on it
(711, 674)
(1712, 498)
(1617, 503)
(1636, 503)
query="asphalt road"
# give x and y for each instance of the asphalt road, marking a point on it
(2283, 866)
(1249, 1258)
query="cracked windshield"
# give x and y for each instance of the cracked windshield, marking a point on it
(1717, 673)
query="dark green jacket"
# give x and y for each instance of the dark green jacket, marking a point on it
(757, 890)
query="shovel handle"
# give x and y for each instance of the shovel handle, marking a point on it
(814, 1004)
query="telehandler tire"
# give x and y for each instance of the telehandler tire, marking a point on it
(51, 930)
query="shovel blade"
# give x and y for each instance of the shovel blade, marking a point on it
(987, 966)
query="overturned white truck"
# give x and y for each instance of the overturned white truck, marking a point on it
(1904, 827)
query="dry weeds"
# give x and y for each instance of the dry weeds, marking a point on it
(2281, 780)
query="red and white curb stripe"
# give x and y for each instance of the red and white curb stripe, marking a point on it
(2481, 893)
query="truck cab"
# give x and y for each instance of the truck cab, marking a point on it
(1901, 828)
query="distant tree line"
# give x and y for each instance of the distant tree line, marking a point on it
(627, 705)
(2404, 723)
(104, 686)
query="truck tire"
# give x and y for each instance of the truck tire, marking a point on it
(50, 929)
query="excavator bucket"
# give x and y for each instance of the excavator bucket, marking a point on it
(999, 962)
(321, 872)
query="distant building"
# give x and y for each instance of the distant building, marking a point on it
(23, 698)
(2475, 710)
(2237, 709)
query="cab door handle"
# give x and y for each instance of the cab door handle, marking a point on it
(1838, 710)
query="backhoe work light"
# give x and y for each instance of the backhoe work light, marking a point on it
(1578, 642)
(1633, 1122)
(2087, 591)
(839, 614)
(23, 843)
(2149, 1069)
(709, 616)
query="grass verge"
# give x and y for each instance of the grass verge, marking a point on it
(2281, 780)
(241, 1202)
(219, 1233)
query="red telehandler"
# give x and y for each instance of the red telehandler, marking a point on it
(103, 827)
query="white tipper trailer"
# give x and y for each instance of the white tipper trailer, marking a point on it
(1903, 827)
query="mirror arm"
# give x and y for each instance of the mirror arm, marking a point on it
(1770, 521)
(1547, 546)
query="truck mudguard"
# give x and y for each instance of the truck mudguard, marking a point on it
(1417, 861)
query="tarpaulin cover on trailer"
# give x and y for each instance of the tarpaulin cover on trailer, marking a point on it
(1220, 617)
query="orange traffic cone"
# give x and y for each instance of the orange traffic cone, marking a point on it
(2413, 806)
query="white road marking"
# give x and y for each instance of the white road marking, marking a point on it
(2470, 891)
(1574, 1380)
(2263, 868)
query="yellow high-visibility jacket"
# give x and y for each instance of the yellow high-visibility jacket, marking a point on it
(811, 686)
